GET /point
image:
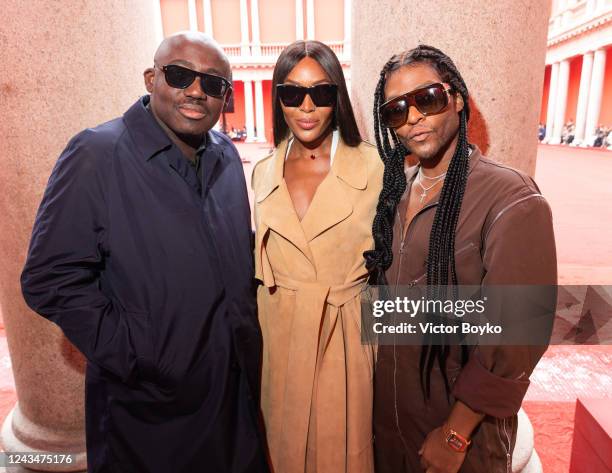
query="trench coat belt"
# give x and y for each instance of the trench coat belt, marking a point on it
(306, 348)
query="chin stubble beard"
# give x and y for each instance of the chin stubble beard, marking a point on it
(439, 153)
(426, 157)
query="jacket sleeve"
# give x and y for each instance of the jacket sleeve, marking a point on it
(519, 249)
(61, 277)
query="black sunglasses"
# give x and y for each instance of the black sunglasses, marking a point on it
(322, 95)
(428, 100)
(180, 77)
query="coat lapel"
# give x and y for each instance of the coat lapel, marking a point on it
(274, 206)
(332, 202)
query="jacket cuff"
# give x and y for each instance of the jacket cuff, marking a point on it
(487, 393)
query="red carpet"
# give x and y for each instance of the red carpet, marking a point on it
(553, 424)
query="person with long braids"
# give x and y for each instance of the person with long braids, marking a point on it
(315, 201)
(454, 218)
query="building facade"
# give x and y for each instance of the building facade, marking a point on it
(578, 74)
(253, 33)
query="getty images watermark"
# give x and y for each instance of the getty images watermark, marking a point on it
(412, 308)
(487, 315)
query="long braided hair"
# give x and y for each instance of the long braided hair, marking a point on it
(441, 256)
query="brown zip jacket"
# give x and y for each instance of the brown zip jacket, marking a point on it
(504, 236)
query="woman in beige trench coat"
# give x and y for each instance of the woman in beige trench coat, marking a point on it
(315, 200)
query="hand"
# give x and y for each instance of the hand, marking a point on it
(437, 456)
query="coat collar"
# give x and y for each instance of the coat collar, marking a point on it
(149, 136)
(331, 204)
(349, 166)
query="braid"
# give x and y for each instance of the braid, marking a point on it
(380, 258)
(441, 257)
(441, 253)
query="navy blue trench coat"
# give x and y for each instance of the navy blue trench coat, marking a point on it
(153, 282)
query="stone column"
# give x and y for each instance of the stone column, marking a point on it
(583, 97)
(248, 110)
(595, 94)
(208, 21)
(52, 52)
(299, 19)
(244, 29)
(310, 19)
(347, 28)
(552, 101)
(193, 15)
(560, 102)
(260, 122)
(157, 23)
(255, 28)
(489, 42)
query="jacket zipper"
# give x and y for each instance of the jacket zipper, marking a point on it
(414, 282)
(401, 254)
(503, 428)
(403, 241)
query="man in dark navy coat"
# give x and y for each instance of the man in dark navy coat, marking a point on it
(141, 254)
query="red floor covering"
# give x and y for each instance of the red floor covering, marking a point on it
(553, 424)
(564, 374)
(583, 225)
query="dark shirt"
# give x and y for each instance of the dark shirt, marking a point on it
(152, 281)
(196, 161)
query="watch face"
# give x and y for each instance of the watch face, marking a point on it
(455, 442)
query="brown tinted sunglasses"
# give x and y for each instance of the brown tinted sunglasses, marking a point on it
(428, 100)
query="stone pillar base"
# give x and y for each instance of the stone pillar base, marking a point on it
(21, 435)
(525, 459)
(534, 465)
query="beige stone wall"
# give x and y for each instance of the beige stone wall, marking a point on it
(498, 46)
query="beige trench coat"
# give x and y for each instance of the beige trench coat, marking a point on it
(316, 375)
